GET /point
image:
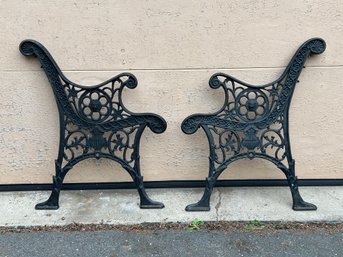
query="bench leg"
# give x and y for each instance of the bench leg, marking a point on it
(53, 201)
(298, 203)
(204, 203)
(145, 201)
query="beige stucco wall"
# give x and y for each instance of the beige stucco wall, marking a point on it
(172, 47)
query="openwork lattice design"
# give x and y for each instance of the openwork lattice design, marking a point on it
(253, 123)
(94, 123)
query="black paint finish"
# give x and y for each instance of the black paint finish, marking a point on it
(94, 123)
(253, 123)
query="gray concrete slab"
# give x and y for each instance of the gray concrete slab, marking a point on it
(121, 206)
(173, 243)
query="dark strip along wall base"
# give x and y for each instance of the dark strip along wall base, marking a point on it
(171, 184)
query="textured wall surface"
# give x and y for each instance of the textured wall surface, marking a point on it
(173, 47)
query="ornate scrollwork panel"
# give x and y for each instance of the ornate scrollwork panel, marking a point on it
(94, 123)
(98, 105)
(98, 143)
(228, 144)
(253, 122)
(249, 105)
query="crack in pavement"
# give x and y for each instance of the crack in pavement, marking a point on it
(218, 204)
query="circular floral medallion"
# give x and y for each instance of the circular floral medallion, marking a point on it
(95, 105)
(251, 104)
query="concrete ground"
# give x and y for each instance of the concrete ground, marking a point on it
(173, 243)
(121, 206)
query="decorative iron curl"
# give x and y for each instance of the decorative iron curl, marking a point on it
(94, 123)
(258, 117)
(316, 45)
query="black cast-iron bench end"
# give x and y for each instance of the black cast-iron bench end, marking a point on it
(94, 123)
(252, 123)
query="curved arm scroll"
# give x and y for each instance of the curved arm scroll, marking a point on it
(29, 47)
(70, 101)
(311, 46)
(155, 122)
(192, 123)
(274, 97)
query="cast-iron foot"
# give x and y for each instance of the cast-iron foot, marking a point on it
(47, 205)
(197, 207)
(150, 204)
(304, 206)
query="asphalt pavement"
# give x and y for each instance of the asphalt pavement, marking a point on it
(173, 243)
